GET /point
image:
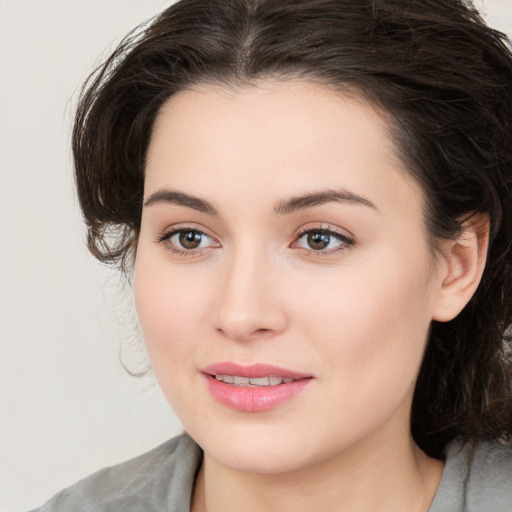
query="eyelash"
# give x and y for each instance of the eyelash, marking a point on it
(165, 240)
(345, 241)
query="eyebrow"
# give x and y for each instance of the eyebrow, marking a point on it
(182, 199)
(322, 197)
(284, 207)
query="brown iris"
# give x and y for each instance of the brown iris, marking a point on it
(190, 239)
(318, 240)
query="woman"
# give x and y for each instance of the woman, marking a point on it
(315, 201)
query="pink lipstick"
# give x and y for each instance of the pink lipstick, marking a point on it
(253, 388)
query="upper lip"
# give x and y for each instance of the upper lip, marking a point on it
(252, 371)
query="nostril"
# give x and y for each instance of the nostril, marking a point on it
(249, 315)
(242, 335)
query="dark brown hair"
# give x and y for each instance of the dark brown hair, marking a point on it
(443, 78)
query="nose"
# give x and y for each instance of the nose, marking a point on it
(250, 303)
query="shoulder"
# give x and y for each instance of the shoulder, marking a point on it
(476, 478)
(149, 482)
(489, 479)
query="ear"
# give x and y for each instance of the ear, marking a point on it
(461, 265)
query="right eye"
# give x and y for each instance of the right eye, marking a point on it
(187, 240)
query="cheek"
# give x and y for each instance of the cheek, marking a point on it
(168, 309)
(371, 326)
(167, 304)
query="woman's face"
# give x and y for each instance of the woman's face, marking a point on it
(282, 241)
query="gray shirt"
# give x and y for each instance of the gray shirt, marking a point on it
(474, 480)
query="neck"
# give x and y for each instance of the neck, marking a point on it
(374, 477)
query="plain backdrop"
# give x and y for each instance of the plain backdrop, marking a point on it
(67, 407)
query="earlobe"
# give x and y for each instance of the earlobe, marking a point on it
(462, 268)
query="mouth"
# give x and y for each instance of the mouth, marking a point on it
(253, 382)
(253, 388)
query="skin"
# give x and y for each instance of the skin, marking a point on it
(354, 316)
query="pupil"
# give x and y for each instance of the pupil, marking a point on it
(318, 241)
(190, 239)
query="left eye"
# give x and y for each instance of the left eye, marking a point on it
(322, 240)
(188, 239)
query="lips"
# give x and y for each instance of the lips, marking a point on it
(253, 388)
(238, 380)
(253, 371)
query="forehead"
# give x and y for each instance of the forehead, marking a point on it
(291, 135)
(290, 112)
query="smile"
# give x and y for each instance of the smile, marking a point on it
(254, 388)
(253, 382)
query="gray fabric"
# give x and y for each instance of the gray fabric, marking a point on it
(161, 480)
(158, 481)
(475, 480)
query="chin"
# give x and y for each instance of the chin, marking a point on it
(258, 448)
(260, 460)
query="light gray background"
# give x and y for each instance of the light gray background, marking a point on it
(67, 408)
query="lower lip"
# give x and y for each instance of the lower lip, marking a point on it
(254, 399)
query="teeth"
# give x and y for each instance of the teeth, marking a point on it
(253, 381)
(241, 381)
(260, 381)
(228, 379)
